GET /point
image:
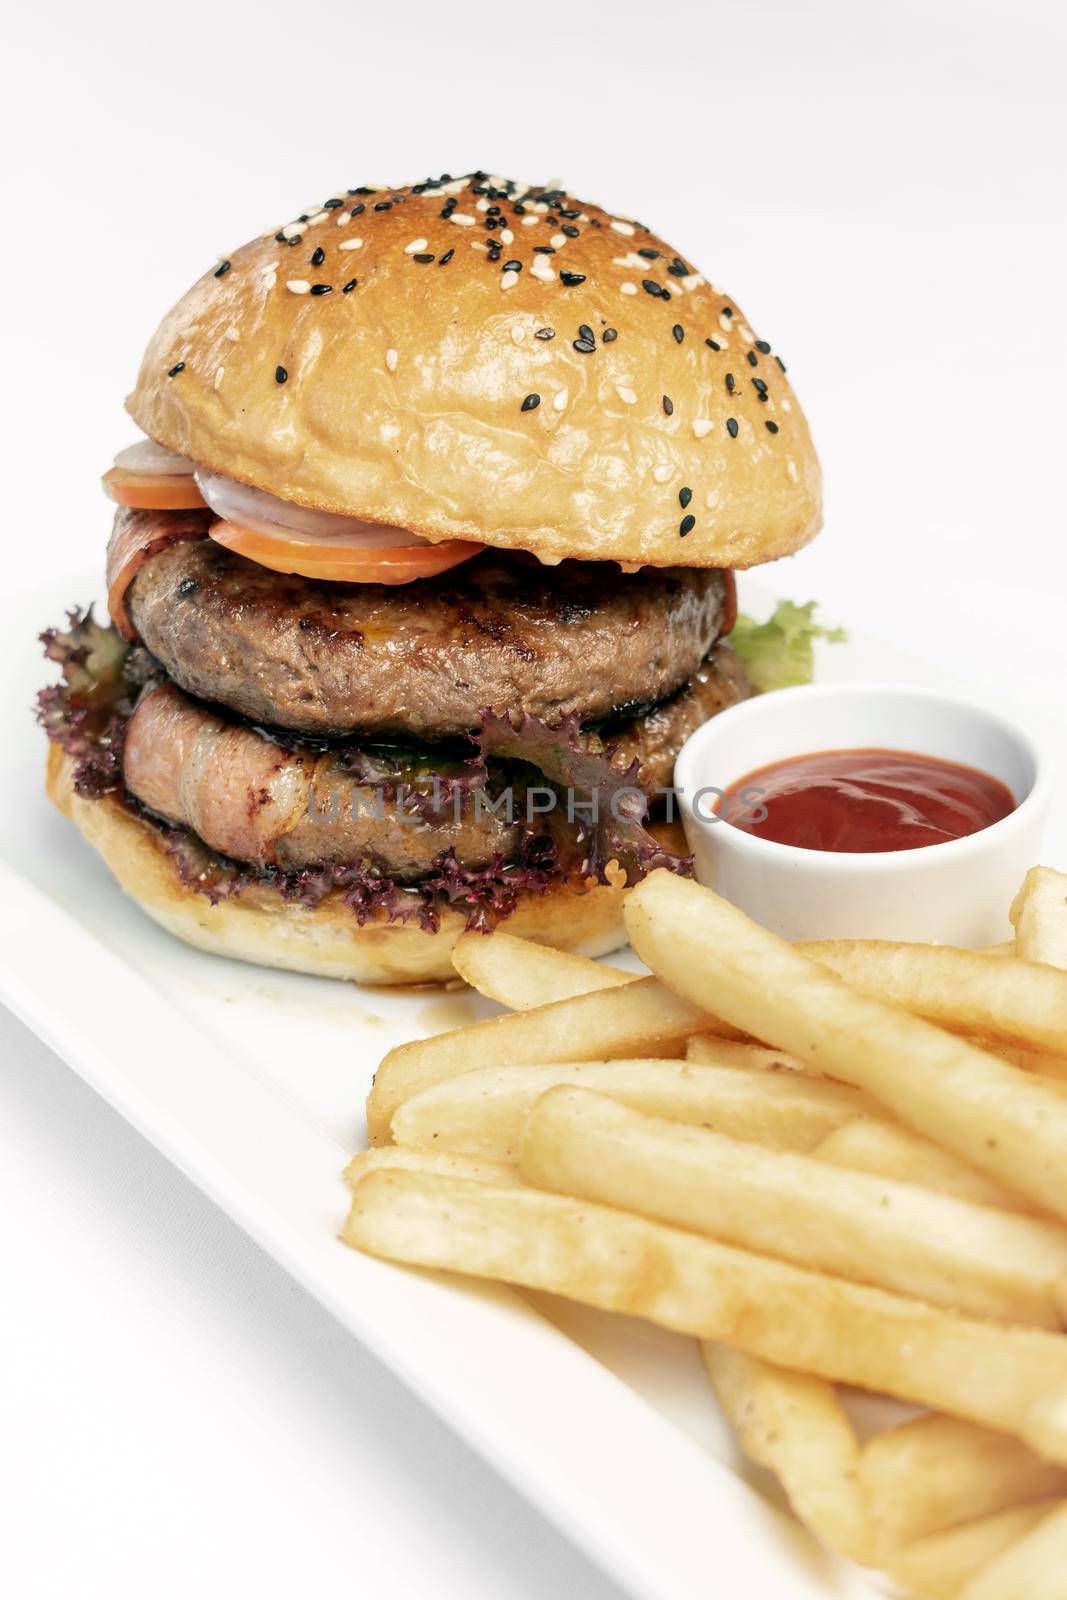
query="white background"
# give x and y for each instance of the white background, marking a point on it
(883, 189)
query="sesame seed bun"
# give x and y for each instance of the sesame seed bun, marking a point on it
(472, 359)
(325, 941)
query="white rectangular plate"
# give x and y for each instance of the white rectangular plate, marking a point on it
(253, 1082)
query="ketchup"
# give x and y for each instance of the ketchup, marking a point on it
(865, 800)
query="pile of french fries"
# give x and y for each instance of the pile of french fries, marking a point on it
(833, 1164)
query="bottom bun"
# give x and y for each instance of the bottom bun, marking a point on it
(324, 940)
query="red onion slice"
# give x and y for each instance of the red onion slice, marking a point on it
(154, 460)
(266, 513)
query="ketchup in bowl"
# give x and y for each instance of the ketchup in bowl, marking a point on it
(865, 801)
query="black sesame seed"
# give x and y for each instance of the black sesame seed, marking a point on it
(752, 358)
(544, 250)
(781, 363)
(668, 406)
(349, 286)
(446, 258)
(712, 345)
(760, 387)
(357, 210)
(687, 525)
(678, 268)
(731, 427)
(318, 256)
(763, 347)
(569, 229)
(771, 427)
(650, 286)
(572, 279)
(730, 382)
(179, 366)
(684, 497)
(331, 205)
(727, 311)
(609, 335)
(586, 332)
(322, 288)
(423, 256)
(531, 402)
(280, 375)
(679, 332)
(648, 253)
(545, 333)
(384, 205)
(187, 587)
(298, 238)
(585, 347)
(222, 269)
(512, 266)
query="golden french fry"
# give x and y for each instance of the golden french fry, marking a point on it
(794, 1425)
(521, 974)
(804, 1320)
(995, 1117)
(643, 1018)
(1039, 917)
(940, 1566)
(1017, 1002)
(871, 1230)
(715, 1052)
(1052, 1068)
(888, 1150)
(936, 1472)
(453, 1166)
(1033, 1569)
(482, 1112)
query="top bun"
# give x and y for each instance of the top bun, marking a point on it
(474, 359)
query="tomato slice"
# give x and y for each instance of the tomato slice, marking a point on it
(153, 491)
(341, 563)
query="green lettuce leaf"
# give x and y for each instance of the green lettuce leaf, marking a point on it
(780, 652)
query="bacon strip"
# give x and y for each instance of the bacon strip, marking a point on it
(135, 536)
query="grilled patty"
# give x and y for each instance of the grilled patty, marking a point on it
(501, 631)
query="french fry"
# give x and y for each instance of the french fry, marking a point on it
(1016, 1002)
(521, 974)
(936, 1472)
(995, 1117)
(870, 1230)
(795, 1426)
(453, 1166)
(1033, 1569)
(482, 1112)
(1039, 917)
(940, 1566)
(716, 1052)
(795, 1318)
(643, 1018)
(888, 1150)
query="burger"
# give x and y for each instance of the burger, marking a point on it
(421, 573)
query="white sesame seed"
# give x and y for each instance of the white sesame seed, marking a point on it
(192, 331)
(542, 270)
(507, 236)
(661, 474)
(508, 280)
(350, 244)
(219, 375)
(628, 288)
(270, 279)
(320, 216)
(711, 499)
(541, 206)
(298, 286)
(725, 322)
(622, 227)
(232, 334)
(483, 205)
(746, 333)
(292, 230)
(476, 244)
(675, 288)
(518, 332)
(559, 400)
(786, 405)
(463, 219)
(791, 471)
(414, 247)
(702, 426)
(625, 394)
(558, 240)
(530, 222)
(268, 233)
(391, 359)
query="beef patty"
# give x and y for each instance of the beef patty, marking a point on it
(502, 631)
(266, 805)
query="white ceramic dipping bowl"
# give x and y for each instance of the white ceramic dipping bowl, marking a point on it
(953, 893)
